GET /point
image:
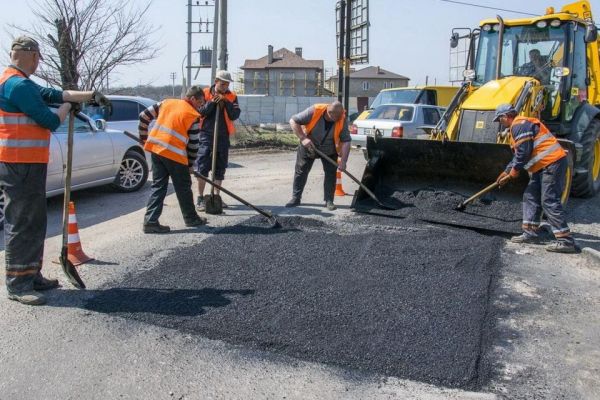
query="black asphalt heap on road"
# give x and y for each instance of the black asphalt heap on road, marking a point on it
(411, 303)
(439, 206)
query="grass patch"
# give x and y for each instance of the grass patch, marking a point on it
(257, 139)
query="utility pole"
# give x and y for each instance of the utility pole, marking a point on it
(201, 26)
(189, 44)
(222, 34)
(173, 75)
(341, 58)
(347, 61)
(213, 66)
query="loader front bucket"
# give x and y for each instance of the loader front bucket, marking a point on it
(431, 178)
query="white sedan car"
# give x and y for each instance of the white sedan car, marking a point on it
(100, 156)
(397, 121)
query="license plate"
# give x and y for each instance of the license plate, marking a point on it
(368, 131)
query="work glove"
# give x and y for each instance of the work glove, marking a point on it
(99, 99)
(503, 179)
(75, 107)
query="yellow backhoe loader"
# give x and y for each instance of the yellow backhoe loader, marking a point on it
(547, 67)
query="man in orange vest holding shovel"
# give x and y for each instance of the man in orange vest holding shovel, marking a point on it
(322, 126)
(538, 153)
(25, 126)
(173, 142)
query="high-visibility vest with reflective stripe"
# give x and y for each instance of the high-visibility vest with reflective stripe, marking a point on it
(230, 96)
(169, 136)
(546, 149)
(22, 140)
(320, 109)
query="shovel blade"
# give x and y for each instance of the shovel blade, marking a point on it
(213, 204)
(71, 272)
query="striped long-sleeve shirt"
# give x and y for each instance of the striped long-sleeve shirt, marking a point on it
(151, 113)
(523, 134)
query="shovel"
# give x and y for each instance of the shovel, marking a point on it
(272, 218)
(463, 205)
(366, 189)
(212, 201)
(67, 266)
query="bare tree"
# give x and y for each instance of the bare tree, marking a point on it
(83, 41)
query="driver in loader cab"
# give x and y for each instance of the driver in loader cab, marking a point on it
(538, 153)
(537, 67)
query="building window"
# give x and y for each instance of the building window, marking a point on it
(365, 85)
(388, 85)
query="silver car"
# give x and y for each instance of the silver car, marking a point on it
(125, 112)
(395, 120)
(100, 156)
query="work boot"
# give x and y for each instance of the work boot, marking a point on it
(200, 205)
(563, 247)
(526, 238)
(156, 228)
(295, 201)
(330, 206)
(31, 298)
(41, 283)
(223, 205)
(196, 222)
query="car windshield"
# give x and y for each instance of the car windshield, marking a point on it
(526, 51)
(393, 111)
(396, 97)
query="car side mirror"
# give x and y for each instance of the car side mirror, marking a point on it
(591, 33)
(100, 124)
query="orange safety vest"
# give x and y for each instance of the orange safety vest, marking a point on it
(546, 149)
(230, 96)
(22, 140)
(320, 109)
(169, 136)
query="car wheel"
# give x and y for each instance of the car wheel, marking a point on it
(133, 173)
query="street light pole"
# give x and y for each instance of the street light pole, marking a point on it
(173, 75)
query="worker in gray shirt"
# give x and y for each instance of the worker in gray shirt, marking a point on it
(322, 126)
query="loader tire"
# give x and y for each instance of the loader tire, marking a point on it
(588, 184)
(568, 180)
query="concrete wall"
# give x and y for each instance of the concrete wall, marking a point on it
(279, 109)
(274, 109)
(282, 82)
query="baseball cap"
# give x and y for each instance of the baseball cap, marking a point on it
(26, 43)
(504, 109)
(224, 76)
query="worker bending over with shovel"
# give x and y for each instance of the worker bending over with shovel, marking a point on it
(173, 142)
(26, 123)
(537, 151)
(322, 126)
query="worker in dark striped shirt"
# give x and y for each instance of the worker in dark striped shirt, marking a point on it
(173, 142)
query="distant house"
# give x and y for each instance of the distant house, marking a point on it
(368, 82)
(283, 73)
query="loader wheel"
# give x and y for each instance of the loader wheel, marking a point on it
(588, 184)
(568, 182)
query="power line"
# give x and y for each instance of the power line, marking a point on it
(488, 7)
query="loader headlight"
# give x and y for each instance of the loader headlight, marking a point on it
(487, 27)
(555, 23)
(469, 74)
(561, 71)
(541, 24)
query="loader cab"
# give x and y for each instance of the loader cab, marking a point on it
(551, 50)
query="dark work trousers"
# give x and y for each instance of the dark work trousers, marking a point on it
(162, 169)
(304, 163)
(24, 187)
(543, 193)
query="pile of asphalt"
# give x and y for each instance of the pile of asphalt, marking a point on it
(408, 302)
(438, 206)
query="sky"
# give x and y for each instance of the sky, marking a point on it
(410, 38)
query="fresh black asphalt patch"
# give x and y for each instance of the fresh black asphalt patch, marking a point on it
(439, 206)
(411, 303)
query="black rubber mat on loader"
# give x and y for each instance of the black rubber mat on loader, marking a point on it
(403, 302)
(439, 206)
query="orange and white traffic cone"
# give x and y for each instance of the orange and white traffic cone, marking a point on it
(339, 190)
(76, 254)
